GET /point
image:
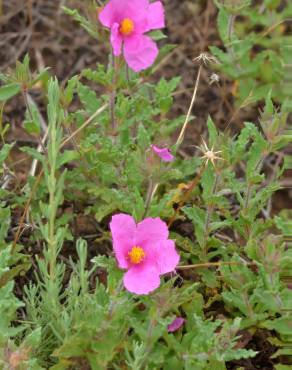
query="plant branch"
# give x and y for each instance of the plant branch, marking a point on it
(86, 123)
(182, 132)
(113, 94)
(214, 264)
(152, 188)
(193, 184)
(210, 209)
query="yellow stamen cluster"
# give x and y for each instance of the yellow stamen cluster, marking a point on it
(136, 255)
(127, 27)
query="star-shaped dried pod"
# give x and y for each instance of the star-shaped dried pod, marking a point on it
(209, 154)
(205, 58)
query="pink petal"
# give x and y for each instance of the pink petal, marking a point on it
(150, 233)
(140, 52)
(156, 18)
(142, 279)
(108, 14)
(117, 10)
(137, 10)
(163, 153)
(116, 39)
(176, 324)
(123, 229)
(167, 257)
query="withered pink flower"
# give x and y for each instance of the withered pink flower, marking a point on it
(144, 250)
(176, 324)
(163, 153)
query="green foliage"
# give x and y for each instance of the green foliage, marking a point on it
(20, 80)
(257, 61)
(87, 24)
(97, 160)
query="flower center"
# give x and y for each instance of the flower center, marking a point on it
(136, 255)
(127, 27)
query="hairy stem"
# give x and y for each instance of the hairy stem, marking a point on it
(113, 94)
(250, 186)
(152, 188)
(149, 343)
(214, 264)
(52, 202)
(210, 209)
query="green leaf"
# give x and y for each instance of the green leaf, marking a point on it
(164, 91)
(54, 99)
(284, 224)
(208, 181)
(157, 35)
(198, 217)
(84, 23)
(213, 134)
(282, 367)
(8, 91)
(143, 137)
(223, 57)
(100, 75)
(32, 127)
(66, 157)
(5, 215)
(282, 325)
(34, 338)
(4, 152)
(88, 98)
(68, 93)
(33, 152)
(223, 25)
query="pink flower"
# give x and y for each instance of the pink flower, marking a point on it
(144, 250)
(163, 153)
(176, 324)
(128, 21)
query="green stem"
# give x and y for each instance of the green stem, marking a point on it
(52, 204)
(250, 186)
(149, 343)
(113, 94)
(210, 209)
(152, 188)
